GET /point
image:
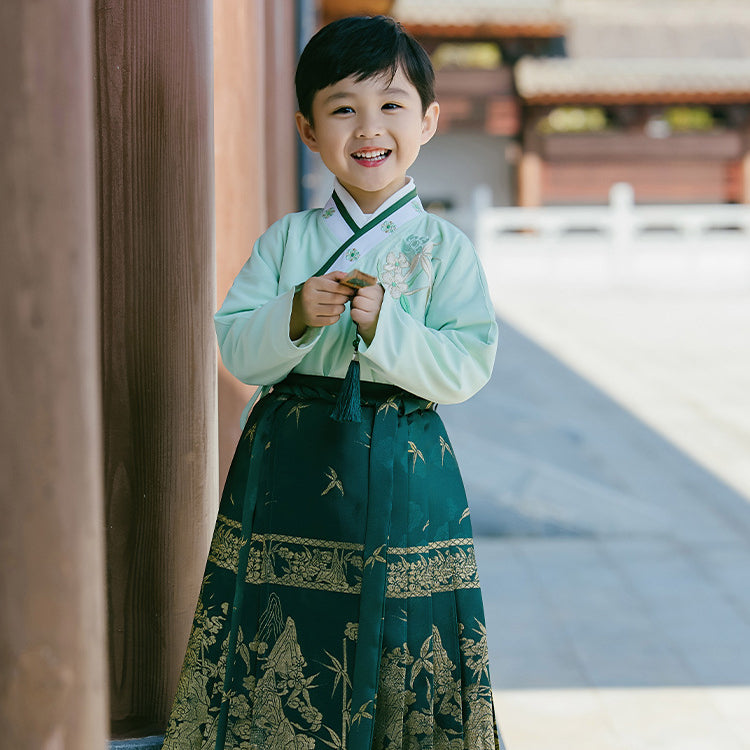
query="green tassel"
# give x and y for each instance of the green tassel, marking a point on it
(348, 407)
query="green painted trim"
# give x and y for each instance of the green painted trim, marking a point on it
(345, 215)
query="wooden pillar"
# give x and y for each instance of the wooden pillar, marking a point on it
(52, 621)
(530, 179)
(530, 165)
(155, 164)
(745, 173)
(241, 195)
(281, 104)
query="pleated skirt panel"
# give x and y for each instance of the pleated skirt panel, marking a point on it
(340, 605)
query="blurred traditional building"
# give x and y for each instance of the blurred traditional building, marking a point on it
(657, 95)
(551, 101)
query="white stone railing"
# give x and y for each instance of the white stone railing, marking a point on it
(674, 245)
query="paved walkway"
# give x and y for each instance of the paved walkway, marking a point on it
(608, 469)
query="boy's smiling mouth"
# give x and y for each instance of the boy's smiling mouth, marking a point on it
(371, 157)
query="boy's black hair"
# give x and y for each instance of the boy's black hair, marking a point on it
(363, 47)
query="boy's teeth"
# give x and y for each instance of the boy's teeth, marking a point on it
(370, 154)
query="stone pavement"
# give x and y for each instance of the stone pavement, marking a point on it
(608, 470)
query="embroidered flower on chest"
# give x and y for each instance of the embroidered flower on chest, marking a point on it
(415, 243)
(393, 274)
(388, 227)
(352, 254)
(328, 212)
(400, 271)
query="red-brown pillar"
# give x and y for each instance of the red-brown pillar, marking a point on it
(745, 172)
(256, 153)
(52, 622)
(281, 104)
(531, 166)
(239, 70)
(155, 164)
(530, 169)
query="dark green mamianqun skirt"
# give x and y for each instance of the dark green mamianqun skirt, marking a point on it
(340, 606)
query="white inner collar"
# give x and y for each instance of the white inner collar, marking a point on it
(355, 211)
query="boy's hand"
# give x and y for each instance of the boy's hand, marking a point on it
(320, 302)
(366, 309)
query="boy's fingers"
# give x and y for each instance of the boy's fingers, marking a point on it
(336, 275)
(368, 304)
(331, 299)
(330, 309)
(375, 291)
(332, 285)
(326, 320)
(361, 303)
(328, 291)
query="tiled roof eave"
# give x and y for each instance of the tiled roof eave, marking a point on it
(601, 81)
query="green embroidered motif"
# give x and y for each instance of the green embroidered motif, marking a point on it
(328, 212)
(352, 254)
(388, 227)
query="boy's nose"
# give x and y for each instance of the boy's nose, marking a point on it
(369, 127)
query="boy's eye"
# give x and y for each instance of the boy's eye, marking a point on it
(391, 105)
(343, 111)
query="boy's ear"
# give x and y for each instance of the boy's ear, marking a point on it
(306, 132)
(429, 122)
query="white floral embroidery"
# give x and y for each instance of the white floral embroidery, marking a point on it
(394, 273)
(401, 270)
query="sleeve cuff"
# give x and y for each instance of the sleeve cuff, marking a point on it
(385, 324)
(309, 337)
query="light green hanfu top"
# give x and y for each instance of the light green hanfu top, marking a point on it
(436, 335)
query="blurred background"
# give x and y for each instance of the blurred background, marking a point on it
(598, 154)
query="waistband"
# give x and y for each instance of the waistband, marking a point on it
(371, 394)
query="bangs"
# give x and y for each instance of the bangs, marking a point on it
(361, 48)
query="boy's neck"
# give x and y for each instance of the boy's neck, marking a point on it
(375, 205)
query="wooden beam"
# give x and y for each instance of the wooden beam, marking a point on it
(155, 164)
(52, 619)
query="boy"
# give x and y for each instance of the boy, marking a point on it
(341, 606)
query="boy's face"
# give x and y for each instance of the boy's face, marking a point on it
(368, 134)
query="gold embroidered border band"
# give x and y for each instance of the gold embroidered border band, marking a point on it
(327, 565)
